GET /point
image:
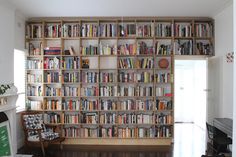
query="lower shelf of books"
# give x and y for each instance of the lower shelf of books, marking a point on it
(118, 141)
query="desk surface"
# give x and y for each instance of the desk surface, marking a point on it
(224, 124)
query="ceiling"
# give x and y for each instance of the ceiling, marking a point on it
(58, 8)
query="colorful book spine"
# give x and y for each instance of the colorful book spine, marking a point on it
(71, 105)
(89, 105)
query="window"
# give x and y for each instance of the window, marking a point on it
(19, 77)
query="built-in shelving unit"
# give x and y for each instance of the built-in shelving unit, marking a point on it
(110, 80)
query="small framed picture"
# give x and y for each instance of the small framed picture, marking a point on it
(5, 140)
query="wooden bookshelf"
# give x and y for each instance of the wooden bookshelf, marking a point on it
(110, 81)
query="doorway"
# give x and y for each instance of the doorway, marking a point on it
(190, 107)
(190, 91)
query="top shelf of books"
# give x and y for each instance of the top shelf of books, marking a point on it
(117, 27)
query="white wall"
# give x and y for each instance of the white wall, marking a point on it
(234, 104)
(11, 36)
(7, 18)
(19, 30)
(220, 72)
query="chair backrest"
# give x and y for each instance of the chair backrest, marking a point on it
(210, 131)
(32, 120)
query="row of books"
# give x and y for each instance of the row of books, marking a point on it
(135, 91)
(203, 48)
(104, 91)
(52, 105)
(144, 63)
(34, 91)
(70, 63)
(35, 49)
(126, 63)
(132, 118)
(145, 30)
(143, 48)
(89, 30)
(71, 30)
(89, 50)
(90, 91)
(145, 77)
(93, 77)
(52, 118)
(163, 119)
(183, 30)
(131, 63)
(70, 91)
(34, 78)
(108, 118)
(71, 105)
(70, 77)
(127, 49)
(162, 77)
(51, 63)
(34, 31)
(107, 30)
(163, 49)
(136, 132)
(52, 50)
(183, 47)
(163, 91)
(80, 132)
(107, 49)
(52, 77)
(203, 30)
(34, 64)
(108, 91)
(90, 118)
(52, 91)
(162, 104)
(165, 29)
(89, 105)
(90, 77)
(127, 30)
(140, 105)
(34, 105)
(71, 118)
(107, 105)
(107, 77)
(104, 105)
(52, 30)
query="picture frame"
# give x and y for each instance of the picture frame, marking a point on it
(5, 140)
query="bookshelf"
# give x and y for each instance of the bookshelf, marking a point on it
(107, 80)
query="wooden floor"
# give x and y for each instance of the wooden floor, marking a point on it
(189, 141)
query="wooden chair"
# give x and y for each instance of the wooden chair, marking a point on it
(37, 134)
(216, 143)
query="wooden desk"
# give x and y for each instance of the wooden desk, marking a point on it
(224, 124)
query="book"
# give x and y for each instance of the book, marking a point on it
(71, 50)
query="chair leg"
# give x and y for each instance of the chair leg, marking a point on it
(61, 146)
(43, 150)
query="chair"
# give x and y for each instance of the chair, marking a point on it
(216, 142)
(36, 133)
